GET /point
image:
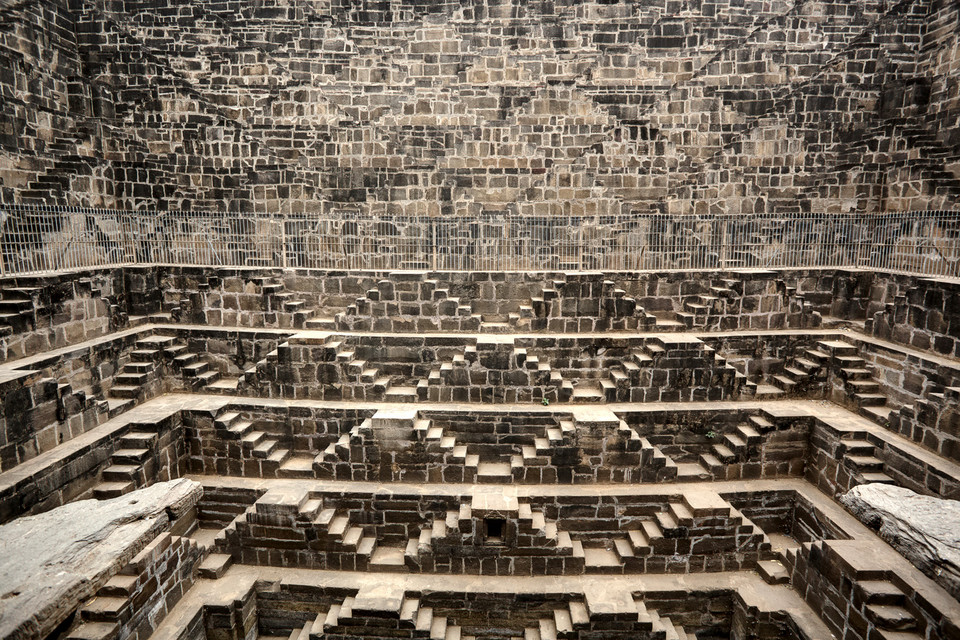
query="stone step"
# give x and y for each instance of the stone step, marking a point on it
(138, 440)
(104, 609)
(601, 559)
(119, 586)
(875, 477)
(749, 434)
(424, 621)
(795, 374)
(880, 592)
(438, 628)
(878, 413)
(297, 466)
(117, 406)
(391, 559)
(892, 617)
(723, 453)
(773, 572)
(768, 391)
(870, 399)
(837, 347)
(856, 373)
(195, 369)
(228, 385)
(761, 424)
(185, 359)
(864, 463)
(215, 565)
(817, 356)
(666, 521)
(120, 472)
(94, 631)
(548, 629)
(864, 386)
(125, 391)
(129, 456)
(107, 490)
(208, 378)
(806, 365)
(265, 447)
(131, 379)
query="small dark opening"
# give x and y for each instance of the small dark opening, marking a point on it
(494, 527)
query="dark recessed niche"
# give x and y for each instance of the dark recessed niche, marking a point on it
(493, 529)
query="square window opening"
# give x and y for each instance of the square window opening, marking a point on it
(494, 528)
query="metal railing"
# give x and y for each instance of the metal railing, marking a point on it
(36, 240)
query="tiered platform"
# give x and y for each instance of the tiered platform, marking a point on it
(497, 455)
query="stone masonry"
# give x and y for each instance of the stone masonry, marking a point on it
(445, 108)
(297, 387)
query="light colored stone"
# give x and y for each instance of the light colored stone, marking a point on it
(51, 562)
(925, 530)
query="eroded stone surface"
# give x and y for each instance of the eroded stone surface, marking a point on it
(52, 561)
(925, 530)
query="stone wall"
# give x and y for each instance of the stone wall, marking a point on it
(46, 313)
(923, 313)
(495, 302)
(430, 108)
(941, 54)
(76, 469)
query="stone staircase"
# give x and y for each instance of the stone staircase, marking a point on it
(342, 450)
(127, 469)
(699, 311)
(406, 301)
(279, 308)
(879, 598)
(359, 380)
(291, 309)
(255, 444)
(72, 166)
(676, 530)
(356, 454)
(476, 372)
(860, 458)
(333, 540)
(18, 309)
(355, 614)
(859, 385)
(134, 383)
(117, 605)
(334, 530)
(736, 447)
(654, 465)
(565, 623)
(795, 377)
(571, 306)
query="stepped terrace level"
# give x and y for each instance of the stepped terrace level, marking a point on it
(749, 450)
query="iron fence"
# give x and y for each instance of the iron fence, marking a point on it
(36, 240)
